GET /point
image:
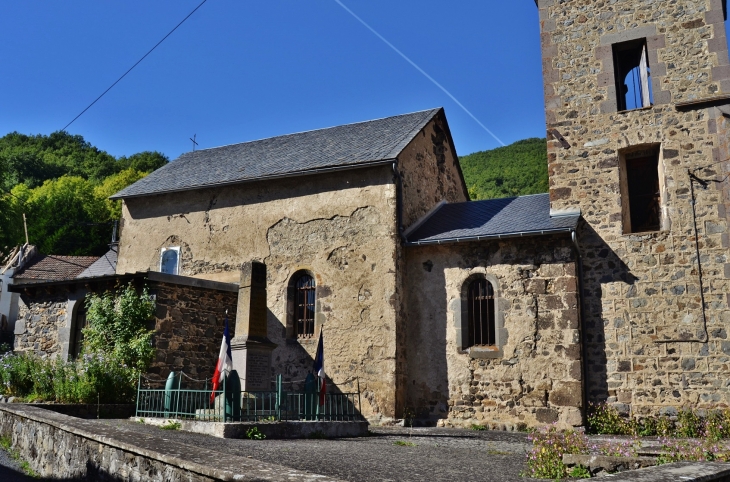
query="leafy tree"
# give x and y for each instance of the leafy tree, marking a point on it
(117, 327)
(146, 161)
(514, 170)
(112, 185)
(66, 217)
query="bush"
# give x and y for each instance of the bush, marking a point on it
(117, 325)
(545, 459)
(604, 419)
(91, 379)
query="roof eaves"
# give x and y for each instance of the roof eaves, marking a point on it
(308, 172)
(519, 234)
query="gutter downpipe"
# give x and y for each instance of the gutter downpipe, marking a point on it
(574, 238)
(399, 203)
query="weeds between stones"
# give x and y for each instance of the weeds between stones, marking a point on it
(6, 443)
(171, 425)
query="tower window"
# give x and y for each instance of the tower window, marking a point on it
(633, 83)
(640, 189)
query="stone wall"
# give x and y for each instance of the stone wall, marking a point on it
(340, 227)
(40, 318)
(60, 447)
(535, 377)
(189, 324)
(189, 319)
(654, 338)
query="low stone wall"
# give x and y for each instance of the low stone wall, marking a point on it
(90, 410)
(271, 430)
(63, 447)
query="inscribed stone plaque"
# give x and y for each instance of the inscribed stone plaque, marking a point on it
(258, 371)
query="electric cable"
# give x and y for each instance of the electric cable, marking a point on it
(132, 67)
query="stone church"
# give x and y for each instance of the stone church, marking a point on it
(507, 312)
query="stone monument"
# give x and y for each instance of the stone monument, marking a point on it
(250, 347)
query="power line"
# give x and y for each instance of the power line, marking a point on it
(136, 63)
(420, 70)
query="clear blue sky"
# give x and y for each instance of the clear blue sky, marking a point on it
(242, 70)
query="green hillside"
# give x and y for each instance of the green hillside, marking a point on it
(514, 170)
(61, 183)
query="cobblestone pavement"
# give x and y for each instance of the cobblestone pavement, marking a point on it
(436, 454)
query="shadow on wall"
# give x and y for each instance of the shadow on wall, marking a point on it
(602, 270)
(426, 353)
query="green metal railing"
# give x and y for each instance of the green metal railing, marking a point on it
(228, 404)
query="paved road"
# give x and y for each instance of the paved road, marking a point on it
(435, 454)
(10, 470)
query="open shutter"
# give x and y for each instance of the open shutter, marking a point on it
(644, 72)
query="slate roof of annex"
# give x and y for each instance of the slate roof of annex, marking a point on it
(346, 146)
(104, 266)
(492, 218)
(54, 268)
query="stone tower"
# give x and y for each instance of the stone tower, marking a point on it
(637, 104)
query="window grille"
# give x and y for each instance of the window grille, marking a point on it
(481, 314)
(304, 311)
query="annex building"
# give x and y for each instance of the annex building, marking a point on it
(614, 286)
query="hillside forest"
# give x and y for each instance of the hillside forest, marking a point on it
(62, 184)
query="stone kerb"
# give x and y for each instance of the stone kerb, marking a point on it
(64, 447)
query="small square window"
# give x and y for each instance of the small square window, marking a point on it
(633, 76)
(170, 260)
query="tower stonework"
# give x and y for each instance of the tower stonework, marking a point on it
(637, 103)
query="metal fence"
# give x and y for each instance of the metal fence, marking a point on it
(197, 401)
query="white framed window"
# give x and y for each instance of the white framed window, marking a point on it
(170, 260)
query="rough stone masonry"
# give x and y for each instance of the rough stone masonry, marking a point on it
(656, 316)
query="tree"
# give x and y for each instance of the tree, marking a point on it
(146, 161)
(514, 170)
(112, 185)
(66, 217)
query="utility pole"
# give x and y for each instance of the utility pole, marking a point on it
(25, 226)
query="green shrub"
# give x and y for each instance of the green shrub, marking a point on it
(117, 327)
(688, 425)
(171, 425)
(545, 459)
(604, 419)
(579, 472)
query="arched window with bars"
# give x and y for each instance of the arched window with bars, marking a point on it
(481, 314)
(304, 305)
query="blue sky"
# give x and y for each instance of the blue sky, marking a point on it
(242, 70)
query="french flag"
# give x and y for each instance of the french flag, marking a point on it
(225, 361)
(319, 368)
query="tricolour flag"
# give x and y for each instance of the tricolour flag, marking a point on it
(225, 361)
(319, 368)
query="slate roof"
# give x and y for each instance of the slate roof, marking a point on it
(54, 268)
(492, 218)
(341, 147)
(104, 266)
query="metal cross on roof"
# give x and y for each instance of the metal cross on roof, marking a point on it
(194, 143)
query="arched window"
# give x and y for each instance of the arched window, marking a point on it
(169, 260)
(481, 315)
(304, 301)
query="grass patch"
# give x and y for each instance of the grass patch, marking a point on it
(401, 443)
(255, 434)
(6, 443)
(478, 428)
(171, 425)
